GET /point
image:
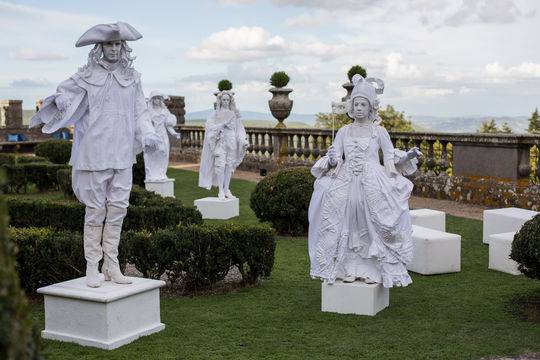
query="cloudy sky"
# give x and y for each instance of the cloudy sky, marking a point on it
(437, 57)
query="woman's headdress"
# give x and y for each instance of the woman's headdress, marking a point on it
(367, 88)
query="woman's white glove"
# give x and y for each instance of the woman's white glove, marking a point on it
(332, 156)
(152, 142)
(414, 153)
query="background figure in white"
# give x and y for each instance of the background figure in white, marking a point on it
(224, 147)
(359, 223)
(156, 162)
(105, 102)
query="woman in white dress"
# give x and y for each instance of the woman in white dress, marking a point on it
(156, 162)
(225, 144)
(360, 228)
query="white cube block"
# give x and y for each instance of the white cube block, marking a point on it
(435, 252)
(354, 298)
(498, 221)
(500, 246)
(164, 187)
(106, 317)
(431, 219)
(214, 208)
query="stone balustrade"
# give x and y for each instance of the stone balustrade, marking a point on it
(498, 156)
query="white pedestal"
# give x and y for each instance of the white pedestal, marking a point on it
(106, 317)
(214, 208)
(500, 246)
(431, 219)
(164, 187)
(497, 221)
(354, 298)
(435, 252)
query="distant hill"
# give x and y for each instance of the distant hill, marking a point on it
(468, 124)
(307, 119)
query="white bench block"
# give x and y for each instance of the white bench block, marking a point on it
(498, 221)
(354, 298)
(164, 187)
(106, 317)
(435, 252)
(431, 219)
(500, 246)
(214, 208)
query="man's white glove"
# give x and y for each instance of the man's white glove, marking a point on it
(152, 142)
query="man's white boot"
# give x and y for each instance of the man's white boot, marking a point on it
(93, 254)
(111, 240)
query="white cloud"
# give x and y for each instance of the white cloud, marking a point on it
(396, 69)
(35, 55)
(486, 11)
(417, 92)
(30, 83)
(252, 43)
(523, 71)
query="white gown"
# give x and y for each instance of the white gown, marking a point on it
(156, 162)
(359, 222)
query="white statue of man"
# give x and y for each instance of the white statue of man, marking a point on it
(156, 162)
(359, 222)
(105, 102)
(225, 144)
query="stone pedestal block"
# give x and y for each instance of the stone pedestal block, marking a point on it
(214, 208)
(498, 221)
(354, 298)
(435, 252)
(500, 246)
(106, 317)
(164, 187)
(431, 219)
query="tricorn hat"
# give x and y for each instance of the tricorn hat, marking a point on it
(108, 32)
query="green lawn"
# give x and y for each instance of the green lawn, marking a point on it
(457, 316)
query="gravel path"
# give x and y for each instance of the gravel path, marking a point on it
(469, 211)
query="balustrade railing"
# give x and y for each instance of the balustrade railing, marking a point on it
(504, 156)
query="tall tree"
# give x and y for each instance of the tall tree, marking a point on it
(534, 123)
(489, 127)
(506, 129)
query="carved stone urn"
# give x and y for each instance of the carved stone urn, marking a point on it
(349, 87)
(280, 105)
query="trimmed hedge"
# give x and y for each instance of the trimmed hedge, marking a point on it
(197, 255)
(57, 151)
(147, 211)
(526, 248)
(42, 175)
(139, 172)
(282, 198)
(200, 256)
(63, 178)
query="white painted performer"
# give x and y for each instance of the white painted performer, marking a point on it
(156, 162)
(224, 147)
(105, 102)
(359, 223)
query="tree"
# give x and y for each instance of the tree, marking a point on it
(506, 129)
(392, 120)
(534, 123)
(489, 127)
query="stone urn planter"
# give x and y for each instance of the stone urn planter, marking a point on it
(349, 87)
(280, 104)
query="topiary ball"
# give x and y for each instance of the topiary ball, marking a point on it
(526, 248)
(279, 79)
(356, 69)
(224, 85)
(282, 198)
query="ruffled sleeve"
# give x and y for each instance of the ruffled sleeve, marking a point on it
(403, 164)
(388, 151)
(322, 166)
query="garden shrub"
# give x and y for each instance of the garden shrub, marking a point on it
(26, 159)
(139, 172)
(42, 175)
(19, 339)
(201, 255)
(63, 178)
(147, 211)
(57, 151)
(7, 159)
(279, 79)
(356, 69)
(526, 248)
(224, 85)
(282, 198)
